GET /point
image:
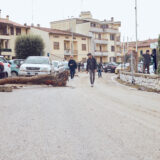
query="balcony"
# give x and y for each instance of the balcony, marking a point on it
(101, 41)
(114, 31)
(68, 52)
(118, 43)
(94, 29)
(101, 53)
(5, 37)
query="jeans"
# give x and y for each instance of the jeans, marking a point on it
(92, 76)
(99, 73)
(144, 68)
(72, 73)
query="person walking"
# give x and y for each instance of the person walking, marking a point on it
(100, 68)
(147, 61)
(72, 66)
(91, 68)
(154, 56)
(79, 66)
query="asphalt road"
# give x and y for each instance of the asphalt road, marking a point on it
(107, 122)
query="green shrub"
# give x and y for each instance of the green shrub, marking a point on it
(29, 45)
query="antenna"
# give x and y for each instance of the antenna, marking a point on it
(32, 10)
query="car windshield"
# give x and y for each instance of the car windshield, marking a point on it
(18, 62)
(3, 60)
(37, 60)
(55, 64)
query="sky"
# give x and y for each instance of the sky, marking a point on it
(44, 11)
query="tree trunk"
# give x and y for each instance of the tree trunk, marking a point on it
(55, 80)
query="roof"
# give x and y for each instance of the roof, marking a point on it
(7, 21)
(88, 20)
(60, 32)
(145, 43)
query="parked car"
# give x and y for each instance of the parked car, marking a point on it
(58, 67)
(122, 67)
(15, 65)
(5, 70)
(110, 67)
(36, 65)
(65, 63)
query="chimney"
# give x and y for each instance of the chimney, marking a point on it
(7, 17)
(0, 13)
(25, 24)
(112, 19)
(38, 25)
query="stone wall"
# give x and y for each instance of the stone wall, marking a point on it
(144, 80)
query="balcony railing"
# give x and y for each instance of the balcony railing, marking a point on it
(101, 53)
(118, 43)
(68, 52)
(94, 29)
(101, 41)
(111, 31)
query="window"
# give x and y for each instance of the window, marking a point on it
(93, 25)
(99, 36)
(56, 36)
(83, 39)
(84, 48)
(56, 45)
(100, 48)
(12, 31)
(74, 37)
(18, 31)
(112, 37)
(104, 26)
(113, 48)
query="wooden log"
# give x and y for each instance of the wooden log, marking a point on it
(55, 80)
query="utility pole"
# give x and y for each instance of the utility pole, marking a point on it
(136, 27)
(124, 51)
(72, 52)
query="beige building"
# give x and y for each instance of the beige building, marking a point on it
(9, 31)
(143, 46)
(105, 41)
(60, 45)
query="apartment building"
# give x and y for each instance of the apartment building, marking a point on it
(9, 31)
(105, 41)
(60, 45)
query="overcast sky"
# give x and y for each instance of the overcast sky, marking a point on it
(45, 11)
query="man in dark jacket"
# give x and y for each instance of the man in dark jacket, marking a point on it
(91, 68)
(154, 56)
(147, 61)
(72, 66)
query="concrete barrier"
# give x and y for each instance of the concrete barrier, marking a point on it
(144, 80)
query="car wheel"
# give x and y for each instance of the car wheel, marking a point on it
(14, 74)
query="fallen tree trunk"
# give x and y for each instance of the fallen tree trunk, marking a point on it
(54, 80)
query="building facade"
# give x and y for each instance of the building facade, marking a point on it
(9, 31)
(105, 35)
(143, 46)
(60, 45)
